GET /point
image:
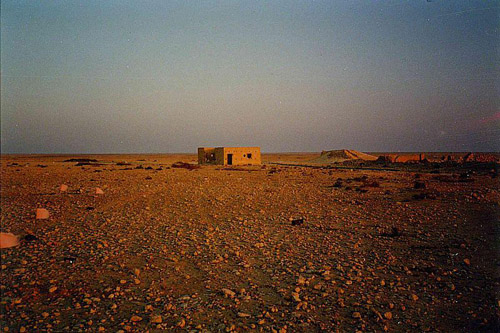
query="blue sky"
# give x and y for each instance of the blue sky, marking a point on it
(169, 76)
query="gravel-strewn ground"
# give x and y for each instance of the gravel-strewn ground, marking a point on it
(213, 249)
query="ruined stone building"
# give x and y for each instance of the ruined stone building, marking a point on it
(229, 155)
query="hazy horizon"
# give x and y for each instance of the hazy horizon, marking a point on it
(195, 152)
(168, 77)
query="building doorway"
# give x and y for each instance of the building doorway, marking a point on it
(229, 159)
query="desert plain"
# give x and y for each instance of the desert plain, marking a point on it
(282, 247)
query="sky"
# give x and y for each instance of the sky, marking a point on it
(288, 76)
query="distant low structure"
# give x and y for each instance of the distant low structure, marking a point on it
(406, 158)
(229, 155)
(479, 157)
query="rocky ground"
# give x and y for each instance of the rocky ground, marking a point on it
(271, 248)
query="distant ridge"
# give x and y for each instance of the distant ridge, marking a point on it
(332, 156)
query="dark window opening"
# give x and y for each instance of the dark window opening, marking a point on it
(209, 157)
(249, 155)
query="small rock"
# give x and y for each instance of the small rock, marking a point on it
(228, 293)
(318, 286)
(135, 318)
(42, 214)
(8, 240)
(156, 319)
(301, 281)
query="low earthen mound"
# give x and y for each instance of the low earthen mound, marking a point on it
(81, 160)
(185, 165)
(342, 155)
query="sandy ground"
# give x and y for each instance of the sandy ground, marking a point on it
(214, 249)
